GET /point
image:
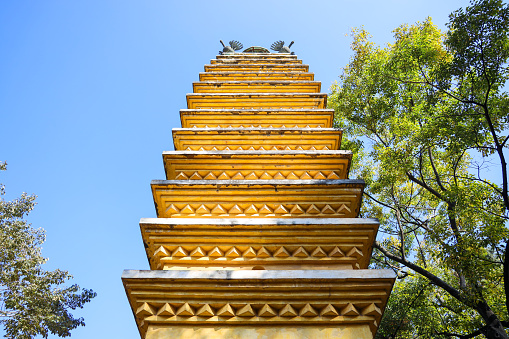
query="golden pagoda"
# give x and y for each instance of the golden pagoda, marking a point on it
(257, 234)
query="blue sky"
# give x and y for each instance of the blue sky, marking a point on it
(90, 90)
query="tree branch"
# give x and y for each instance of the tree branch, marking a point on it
(435, 170)
(428, 275)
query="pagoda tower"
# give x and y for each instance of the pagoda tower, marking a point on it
(257, 234)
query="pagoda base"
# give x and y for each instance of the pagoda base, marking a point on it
(271, 332)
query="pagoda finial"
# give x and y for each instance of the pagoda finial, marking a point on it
(234, 46)
(279, 46)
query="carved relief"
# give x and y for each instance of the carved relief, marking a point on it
(287, 147)
(256, 252)
(291, 312)
(259, 210)
(255, 175)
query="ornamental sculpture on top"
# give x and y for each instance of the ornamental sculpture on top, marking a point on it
(278, 46)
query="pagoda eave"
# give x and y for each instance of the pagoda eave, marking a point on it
(262, 75)
(322, 243)
(259, 298)
(252, 165)
(243, 118)
(269, 86)
(257, 198)
(256, 61)
(257, 100)
(257, 67)
(252, 139)
(240, 56)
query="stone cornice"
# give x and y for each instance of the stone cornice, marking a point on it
(283, 60)
(263, 118)
(259, 86)
(247, 56)
(258, 298)
(240, 56)
(250, 67)
(253, 165)
(262, 75)
(210, 139)
(318, 243)
(257, 198)
(256, 100)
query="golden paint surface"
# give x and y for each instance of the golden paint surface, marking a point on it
(304, 332)
(271, 118)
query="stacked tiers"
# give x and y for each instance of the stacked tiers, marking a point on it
(257, 232)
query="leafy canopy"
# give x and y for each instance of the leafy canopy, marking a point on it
(425, 117)
(32, 300)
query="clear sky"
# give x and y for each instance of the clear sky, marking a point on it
(89, 92)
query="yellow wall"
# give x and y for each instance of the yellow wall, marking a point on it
(305, 332)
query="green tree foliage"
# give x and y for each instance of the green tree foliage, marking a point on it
(32, 300)
(427, 118)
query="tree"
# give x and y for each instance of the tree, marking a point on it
(427, 118)
(32, 300)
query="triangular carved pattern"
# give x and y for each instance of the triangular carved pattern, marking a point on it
(260, 209)
(257, 148)
(263, 252)
(289, 311)
(255, 125)
(254, 175)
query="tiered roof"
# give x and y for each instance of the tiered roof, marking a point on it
(257, 221)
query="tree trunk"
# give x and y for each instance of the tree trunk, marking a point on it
(494, 330)
(506, 275)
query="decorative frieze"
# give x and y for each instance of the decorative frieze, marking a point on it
(319, 243)
(257, 198)
(250, 67)
(299, 312)
(282, 86)
(256, 100)
(258, 60)
(258, 298)
(246, 118)
(255, 56)
(259, 174)
(256, 139)
(239, 75)
(254, 165)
